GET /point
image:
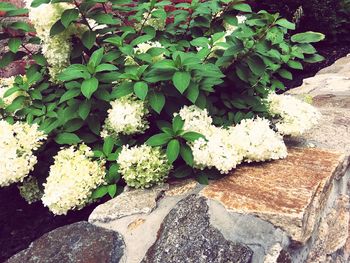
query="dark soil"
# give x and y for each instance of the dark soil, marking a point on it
(21, 223)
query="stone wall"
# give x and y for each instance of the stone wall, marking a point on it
(289, 211)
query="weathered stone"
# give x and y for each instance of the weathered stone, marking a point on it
(332, 232)
(181, 187)
(129, 203)
(330, 90)
(76, 243)
(139, 229)
(187, 236)
(289, 193)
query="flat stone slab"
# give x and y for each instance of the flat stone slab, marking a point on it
(288, 193)
(76, 243)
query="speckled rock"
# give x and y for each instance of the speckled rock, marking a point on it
(76, 243)
(187, 236)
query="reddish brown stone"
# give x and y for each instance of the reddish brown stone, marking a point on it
(289, 193)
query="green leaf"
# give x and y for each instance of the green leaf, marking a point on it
(89, 86)
(178, 123)
(37, 3)
(314, 58)
(73, 125)
(122, 90)
(181, 80)
(101, 191)
(192, 92)
(202, 178)
(88, 39)
(112, 190)
(141, 90)
(107, 19)
(6, 59)
(183, 171)
(141, 39)
(308, 37)
(69, 94)
(20, 25)
(16, 104)
(96, 57)
(14, 44)
(84, 109)
(67, 138)
(57, 28)
(186, 154)
(285, 74)
(286, 24)
(243, 8)
(295, 64)
(256, 65)
(108, 145)
(192, 136)
(4, 6)
(157, 101)
(105, 67)
(68, 16)
(173, 150)
(159, 139)
(40, 59)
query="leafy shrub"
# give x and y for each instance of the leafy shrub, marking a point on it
(163, 85)
(331, 17)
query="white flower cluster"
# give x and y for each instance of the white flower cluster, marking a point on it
(195, 119)
(293, 116)
(30, 190)
(17, 143)
(127, 116)
(224, 149)
(258, 141)
(56, 49)
(71, 180)
(143, 166)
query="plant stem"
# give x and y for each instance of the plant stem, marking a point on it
(82, 15)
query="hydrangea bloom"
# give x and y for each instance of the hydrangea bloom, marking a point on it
(216, 151)
(30, 190)
(72, 178)
(56, 49)
(224, 149)
(17, 143)
(143, 166)
(127, 116)
(258, 141)
(196, 119)
(293, 116)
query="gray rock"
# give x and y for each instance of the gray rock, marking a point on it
(76, 243)
(135, 201)
(187, 236)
